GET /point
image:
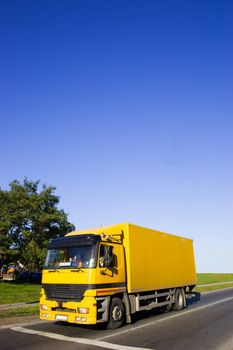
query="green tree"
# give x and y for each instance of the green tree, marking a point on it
(29, 218)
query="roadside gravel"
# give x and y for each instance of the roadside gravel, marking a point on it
(18, 319)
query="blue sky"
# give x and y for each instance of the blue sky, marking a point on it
(126, 107)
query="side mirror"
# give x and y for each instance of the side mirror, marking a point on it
(108, 256)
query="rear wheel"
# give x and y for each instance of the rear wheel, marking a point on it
(179, 300)
(116, 314)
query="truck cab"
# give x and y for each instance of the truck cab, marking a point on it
(81, 274)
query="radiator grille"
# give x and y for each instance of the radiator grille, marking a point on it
(64, 292)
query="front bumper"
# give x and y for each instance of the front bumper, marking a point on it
(68, 311)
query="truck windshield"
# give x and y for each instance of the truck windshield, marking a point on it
(71, 257)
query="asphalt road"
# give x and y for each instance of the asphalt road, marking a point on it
(207, 324)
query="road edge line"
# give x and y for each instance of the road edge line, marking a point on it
(83, 341)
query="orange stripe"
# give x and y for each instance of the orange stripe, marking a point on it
(109, 291)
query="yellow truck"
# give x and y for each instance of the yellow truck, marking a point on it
(105, 275)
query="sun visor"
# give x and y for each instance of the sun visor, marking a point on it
(73, 241)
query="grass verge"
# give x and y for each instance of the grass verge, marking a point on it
(12, 292)
(20, 311)
(210, 288)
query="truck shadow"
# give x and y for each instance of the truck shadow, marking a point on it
(193, 298)
(100, 326)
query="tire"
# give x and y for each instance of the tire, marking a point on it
(179, 300)
(116, 314)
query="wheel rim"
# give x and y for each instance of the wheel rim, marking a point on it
(117, 313)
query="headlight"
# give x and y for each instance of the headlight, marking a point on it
(83, 310)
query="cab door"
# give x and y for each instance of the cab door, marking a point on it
(110, 269)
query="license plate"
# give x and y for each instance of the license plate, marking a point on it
(61, 317)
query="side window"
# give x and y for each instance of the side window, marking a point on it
(106, 256)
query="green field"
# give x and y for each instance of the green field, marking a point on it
(205, 278)
(11, 292)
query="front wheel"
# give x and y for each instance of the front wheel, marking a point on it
(116, 314)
